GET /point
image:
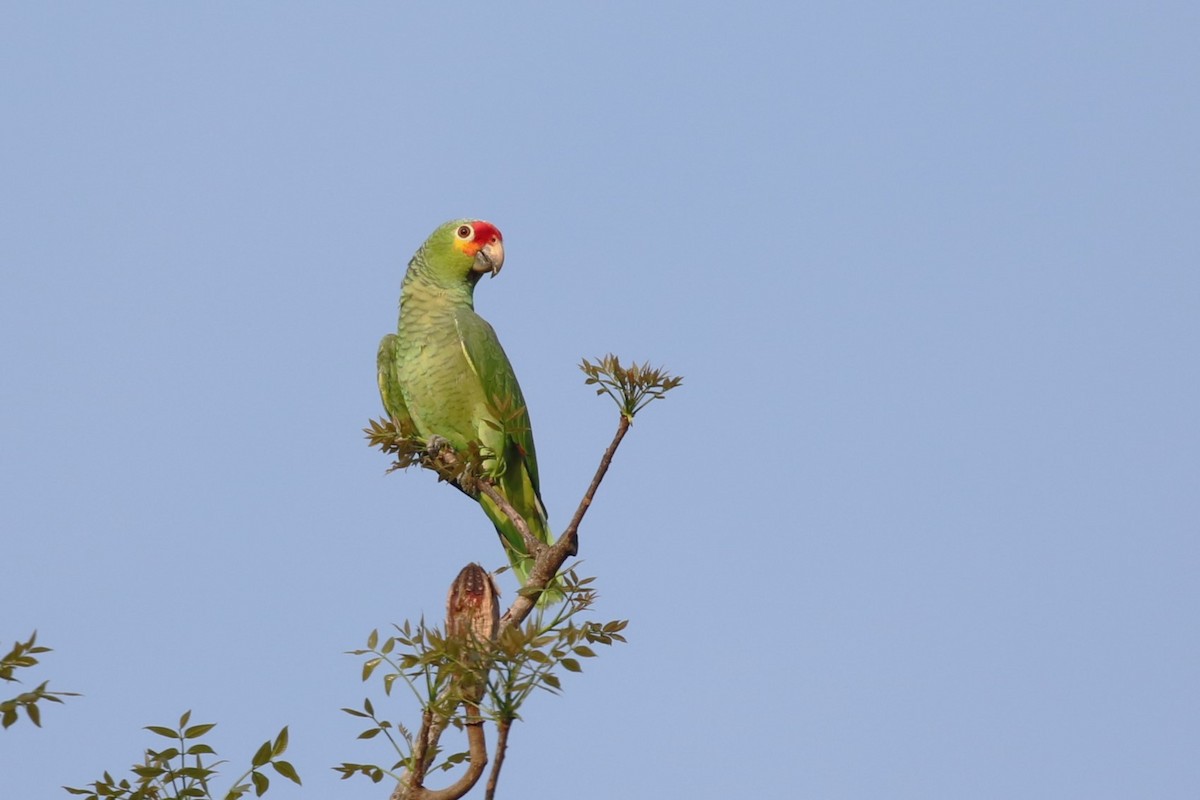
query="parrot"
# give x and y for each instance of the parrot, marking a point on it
(444, 375)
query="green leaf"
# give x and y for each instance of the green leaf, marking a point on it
(369, 667)
(196, 731)
(571, 665)
(373, 639)
(285, 769)
(161, 731)
(262, 756)
(369, 734)
(261, 782)
(281, 742)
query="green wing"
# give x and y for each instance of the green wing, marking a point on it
(389, 384)
(491, 366)
(515, 467)
(516, 459)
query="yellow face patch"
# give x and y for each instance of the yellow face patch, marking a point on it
(470, 248)
(464, 240)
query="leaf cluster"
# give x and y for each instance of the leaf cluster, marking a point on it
(438, 669)
(632, 388)
(183, 770)
(524, 658)
(457, 679)
(23, 655)
(460, 468)
(397, 440)
(392, 730)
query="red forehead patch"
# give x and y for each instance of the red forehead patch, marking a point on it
(485, 232)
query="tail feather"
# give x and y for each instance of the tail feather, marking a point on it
(514, 545)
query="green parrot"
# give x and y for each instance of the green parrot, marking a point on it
(445, 374)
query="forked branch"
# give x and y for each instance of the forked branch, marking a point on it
(632, 389)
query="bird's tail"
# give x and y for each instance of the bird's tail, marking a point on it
(518, 554)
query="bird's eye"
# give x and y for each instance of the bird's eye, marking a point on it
(465, 232)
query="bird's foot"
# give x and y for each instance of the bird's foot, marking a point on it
(451, 465)
(435, 446)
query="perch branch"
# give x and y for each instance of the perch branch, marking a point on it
(532, 545)
(551, 559)
(547, 562)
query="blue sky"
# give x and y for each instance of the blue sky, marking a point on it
(922, 521)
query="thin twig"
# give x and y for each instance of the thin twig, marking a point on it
(605, 461)
(549, 561)
(502, 728)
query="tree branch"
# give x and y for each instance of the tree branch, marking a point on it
(532, 544)
(605, 461)
(551, 559)
(632, 389)
(502, 728)
(547, 562)
(477, 745)
(411, 787)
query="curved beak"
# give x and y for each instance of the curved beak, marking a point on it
(490, 258)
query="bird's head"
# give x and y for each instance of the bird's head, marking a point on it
(465, 249)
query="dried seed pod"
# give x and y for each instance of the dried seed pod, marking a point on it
(473, 604)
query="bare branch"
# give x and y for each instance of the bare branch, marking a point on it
(478, 761)
(415, 775)
(410, 788)
(502, 728)
(551, 559)
(532, 544)
(605, 461)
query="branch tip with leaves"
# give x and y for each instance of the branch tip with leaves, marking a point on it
(23, 655)
(182, 770)
(632, 388)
